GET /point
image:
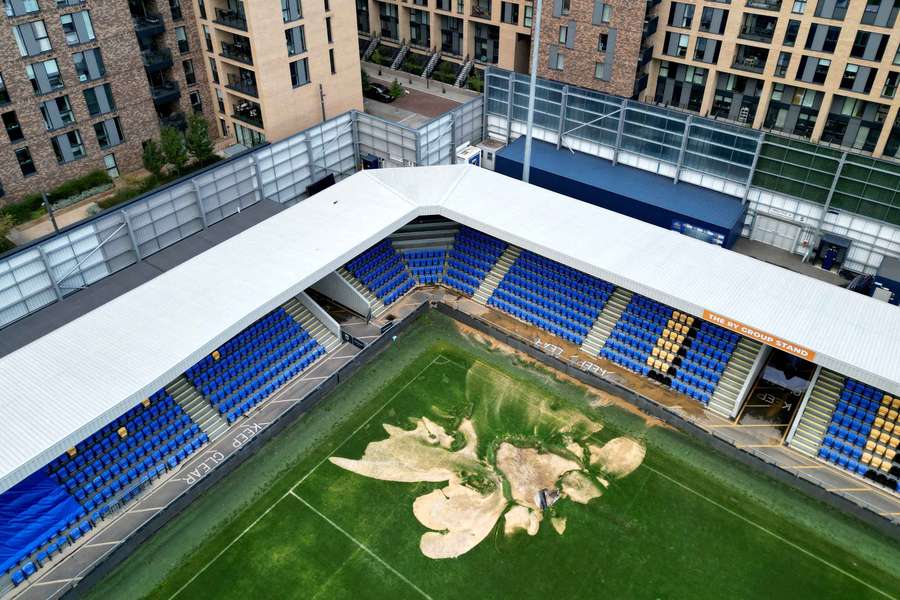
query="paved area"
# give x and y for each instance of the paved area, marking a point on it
(412, 82)
(786, 260)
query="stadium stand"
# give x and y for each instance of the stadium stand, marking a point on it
(552, 296)
(63, 502)
(380, 269)
(251, 366)
(656, 341)
(427, 265)
(471, 258)
(864, 433)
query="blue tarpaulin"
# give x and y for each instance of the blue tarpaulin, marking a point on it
(30, 512)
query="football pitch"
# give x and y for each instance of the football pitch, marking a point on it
(437, 448)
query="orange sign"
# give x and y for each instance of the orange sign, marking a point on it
(759, 336)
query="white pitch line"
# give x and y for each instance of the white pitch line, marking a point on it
(363, 547)
(290, 491)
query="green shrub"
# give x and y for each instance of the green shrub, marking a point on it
(396, 89)
(476, 84)
(22, 212)
(74, 187)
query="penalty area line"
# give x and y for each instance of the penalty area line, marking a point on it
(362, 546)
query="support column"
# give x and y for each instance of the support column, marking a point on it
(684, 139)
(621, 128)
(562, 116)
(827, 205)
(200, 202)
(756, 154)
(137, 251)
(50, 275)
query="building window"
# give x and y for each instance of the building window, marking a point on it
(557, 60)
(68, 147)
(208, 39)
(299, 72)
(175, 8)
(57, 113)
(563, 33)
(529, 15)
(181, 37)
(23, 156)
(44, 76)
(832, 9)
(328, 4)
(890, 85)
(89, 65)
(799, 7)
(295, 37)
(4, 93)
(606, 13)
(822, 38)
(599, 70)
(812, 69)
(13, 129)
(602, 42)
(248, 137)
(190, 77)
(331, 61)
(328, 34)
(509, 13)
(220, 101)
(32, 38)
(223, 126)
(214, 70)
(109, 133)
(201, 4)
(109, 162)
(17, 8)
(784, 59)
(790, 34)
(291, 10)
(99, 100)
(565, 6)
(676, 44)
(869, 46)
(196, 102)
(77, 27)
(681, 15)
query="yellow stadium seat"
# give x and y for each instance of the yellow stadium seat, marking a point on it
(670, 357)
(655, 352)
(680, 339)
(123, 432)
(649, 361)
(882, 411)
(880, 450)
(866, 458)
(677, 345)
(668, 346)
(888, 427)
(683, 318)
(666, 333)
(146, 402)
(874, 433)
(660, 342)
(879, 423)
(72, 452)
(870, 445)
(676, 314)
(886, 400)
(876, 462)
(665, 369)
(216, 355)
(670, 324)
(673, 336)
(884, 438)
(894, 442)
(892, 416)
(690, 321)
(886, 465)
(895, 404)
(890, 454)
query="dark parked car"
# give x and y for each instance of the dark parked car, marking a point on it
(379, 92)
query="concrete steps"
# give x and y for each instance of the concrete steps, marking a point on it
(817, 414)
(375, 304)
(726, 397)
(496, 274)
(198, 407)
(310, 323)
(605, 322)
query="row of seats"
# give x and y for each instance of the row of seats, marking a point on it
(426, 265)
(571, 278)
(544, 299)
(380, 269)
(556, 292)
(470, 259)
(547, 312)
(863, 436)
(513, 307)
(624, 360)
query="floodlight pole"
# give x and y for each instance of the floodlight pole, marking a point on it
(535, 45)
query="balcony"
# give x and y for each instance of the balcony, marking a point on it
(248, 112)
(481, 9)
(157, 60)
(231, 18)
(650, 25)
(749, 58)
(164, 92)
(175, 121)
(764, 4)
(760, 28)
(149, 26)
(646, 56)
(243, 84)
(239, 52)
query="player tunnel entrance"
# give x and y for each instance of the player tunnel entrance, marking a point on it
(777, 393)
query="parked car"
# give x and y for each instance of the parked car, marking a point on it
(379, 92)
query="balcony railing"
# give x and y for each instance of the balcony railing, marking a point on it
(157, 60)
(760, 33)
(764, 4)
(149, 26)
(165, 92)
(749, 63)
(231, 18)
(248, 114)
(242, 86)
(238, 52)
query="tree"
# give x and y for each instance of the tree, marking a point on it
(376, 57)
(153, 158)
(173, 149)
(365, 80)
(197, 139)
(396, 89)
(6, 224)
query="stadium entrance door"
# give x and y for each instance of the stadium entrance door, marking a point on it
(777, 392)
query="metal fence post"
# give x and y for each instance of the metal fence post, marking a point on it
(53, 281)
(684, 139)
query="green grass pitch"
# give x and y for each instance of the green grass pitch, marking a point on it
(688, 523)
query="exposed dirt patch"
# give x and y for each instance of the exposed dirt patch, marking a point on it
(618, 457)
(420, 454)
(529, 471)
(519, 518)
(559, 524)
(460, 517)
(580, 488)
(576, 449)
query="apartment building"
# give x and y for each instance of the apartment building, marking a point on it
(468, 33)
(597, 44)
(821, 70)
(275, 70)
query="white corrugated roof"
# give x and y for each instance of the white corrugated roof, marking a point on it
(62, 387)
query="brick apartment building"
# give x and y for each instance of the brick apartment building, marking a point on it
(84, 83)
